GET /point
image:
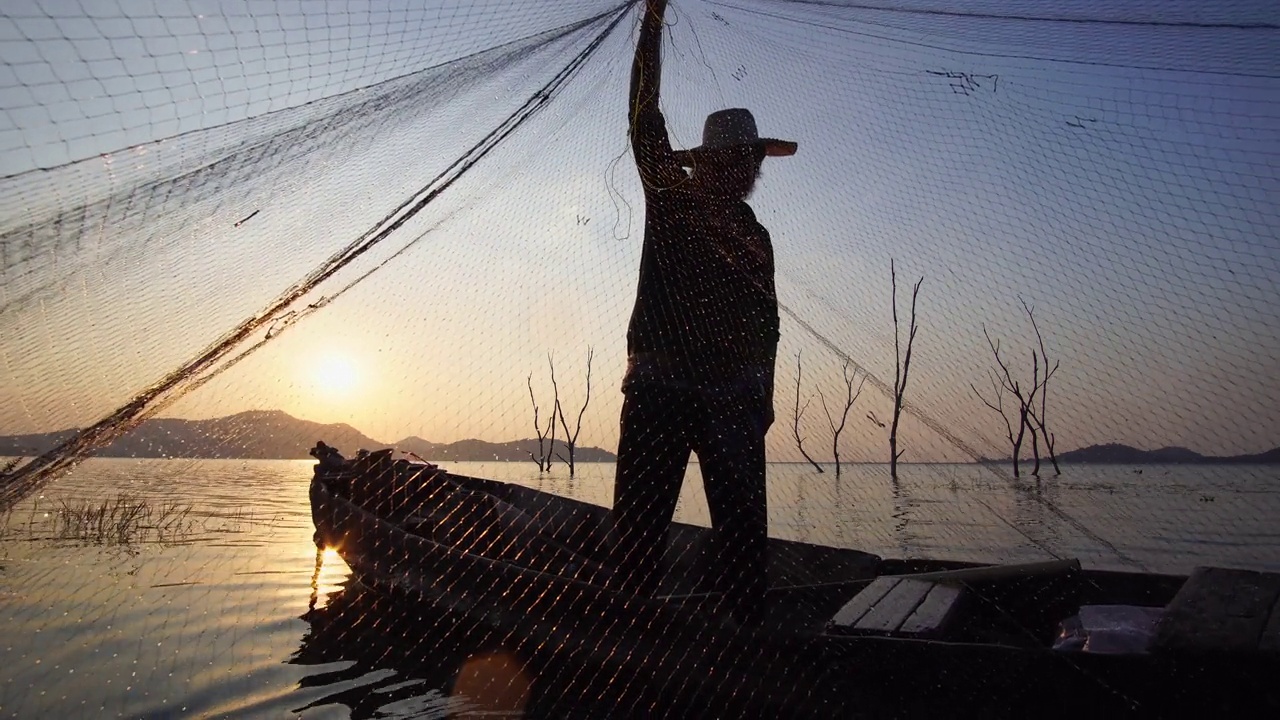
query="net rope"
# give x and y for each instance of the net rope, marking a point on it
(28, 477)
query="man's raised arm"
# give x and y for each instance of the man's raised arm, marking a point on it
(646, 71)
(649, 141)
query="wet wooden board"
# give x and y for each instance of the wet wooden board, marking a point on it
(852, 612)
(899, 605)
(1219, 610)
(895, 607)
(934, 612)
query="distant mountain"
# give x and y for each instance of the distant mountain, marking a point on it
(257, 434)
(475, 450)
(272, 435)
(1114, 453)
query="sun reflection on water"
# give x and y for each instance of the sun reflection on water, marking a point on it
(330, 574)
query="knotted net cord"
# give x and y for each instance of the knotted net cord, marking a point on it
(30, 476)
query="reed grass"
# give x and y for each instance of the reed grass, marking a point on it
(122, 520)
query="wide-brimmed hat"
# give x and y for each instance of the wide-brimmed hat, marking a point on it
(734, 127)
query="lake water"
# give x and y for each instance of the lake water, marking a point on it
(226, 610)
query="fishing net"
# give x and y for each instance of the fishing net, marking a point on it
(230, 231)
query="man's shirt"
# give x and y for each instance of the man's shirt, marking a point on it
(706, 303)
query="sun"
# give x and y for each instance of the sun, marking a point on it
(336, 374)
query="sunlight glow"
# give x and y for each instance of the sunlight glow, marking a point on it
(330, 575)
(331, 556)
(336, 373)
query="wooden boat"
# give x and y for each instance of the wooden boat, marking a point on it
(847, 633)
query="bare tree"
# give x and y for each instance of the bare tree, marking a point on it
(798, 413)
(901, 366)
(555, 405)
(1029, 412)
(542, 459)
(1038, 418)
(1005, 382)
(849, 397)
(571, 440)
(997, 404)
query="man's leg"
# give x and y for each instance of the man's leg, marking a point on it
(731, 450)
(653, 453)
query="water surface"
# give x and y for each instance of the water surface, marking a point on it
(228, 609)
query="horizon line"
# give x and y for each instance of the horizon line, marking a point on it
(976, 461)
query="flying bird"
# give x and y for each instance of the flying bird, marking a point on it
(246, 218)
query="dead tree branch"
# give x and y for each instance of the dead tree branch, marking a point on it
(997, 404)
(901, 366)
(849, 398)
(555, 389)
(798, 413)
(1026, 400)
(1039, 418)
(1030, 410)
(571, 440)
(541, 459)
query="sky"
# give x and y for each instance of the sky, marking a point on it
(1120, 178)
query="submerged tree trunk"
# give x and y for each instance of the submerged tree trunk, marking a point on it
(541, 458)
(849, 398)
(900, 369)
(795, 426)
(1040, 419)
(1035, 450)
(1017, 448)
(571, 439)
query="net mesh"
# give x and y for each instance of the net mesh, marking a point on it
(230, 231)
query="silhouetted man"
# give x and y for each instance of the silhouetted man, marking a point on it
(702, 340)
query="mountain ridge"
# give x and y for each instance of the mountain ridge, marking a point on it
(276, 435)
(1121, 454)
(1118, 453)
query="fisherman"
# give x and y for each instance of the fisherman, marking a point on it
(701, 343)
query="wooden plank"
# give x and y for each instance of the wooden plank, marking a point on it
(893, 609)
(853, 610)
(934, 612)
(1219, 610)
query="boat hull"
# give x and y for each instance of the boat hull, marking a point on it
(678, 649)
